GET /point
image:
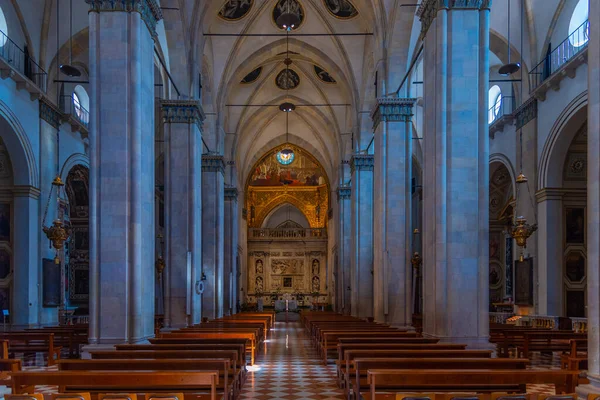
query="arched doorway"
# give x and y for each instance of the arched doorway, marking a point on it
(78, 257)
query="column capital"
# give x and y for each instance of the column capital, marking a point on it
(231, 193)
(362, 162)
(26, 191)
(182, 112)
(344, 192)
(390, 109)
(428, 9)
(50, 113)
(213, 163)
(149, 10)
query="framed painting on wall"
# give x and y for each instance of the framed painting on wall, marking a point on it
(524, 282)
(50, 283)
(4, 222)
(79, 282)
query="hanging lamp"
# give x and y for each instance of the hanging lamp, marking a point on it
(287, 154)
(69, 69)
(288, 20)
(509, 68)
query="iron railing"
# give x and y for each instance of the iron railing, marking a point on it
(287, 233)
(505, 105)
(69, 105)
(574, 44)
(20, 60)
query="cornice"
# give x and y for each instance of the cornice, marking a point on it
(149, 10)
(26, 191)
(547, 194)
(182, 112)
(231, 193)
(344, 192)
(362, 162)
(526, 112)
(50, 113)
(392, 109)
(213, 163)
(428, 10)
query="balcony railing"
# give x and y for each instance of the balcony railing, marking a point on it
(71, 106)
(569, 48)
(286, 233)
(505, 105)
(20, 61)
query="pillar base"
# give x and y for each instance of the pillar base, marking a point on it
(592, 387)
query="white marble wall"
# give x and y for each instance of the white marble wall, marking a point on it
(121, 176)
(456, 172)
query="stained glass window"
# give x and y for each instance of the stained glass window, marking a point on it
(285, 157)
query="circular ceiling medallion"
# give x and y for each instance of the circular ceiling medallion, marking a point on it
(324, 75)
(234, 10)
(292, 7)
(252, 76)
(287, 79)
(342, 9)
(285, 156)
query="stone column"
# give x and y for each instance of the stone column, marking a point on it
(231, 248)
(122, 170)
(344, 248)
(593, 204)
(361, 272)
(392, 211)
(183, 205)
(213, 231)
(550, 255)
(456, 170)
(26, 236)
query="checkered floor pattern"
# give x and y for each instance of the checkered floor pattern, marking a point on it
(290, 368)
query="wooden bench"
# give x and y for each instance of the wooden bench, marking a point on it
(117, 381)
(32, 342)
(575, 359)
(330, 338)
(264, 323)
(549, 341)
(515, 338)
(70, 336)
(191, 337)
(7, 366)
(356, 377)
(229, 377)
(469, 380)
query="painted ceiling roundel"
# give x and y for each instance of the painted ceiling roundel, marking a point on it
(234, 10)
(342, 9)
(287, 79)
(293, 6)
(252, 76)
(324, 75)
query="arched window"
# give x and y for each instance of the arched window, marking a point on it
(81, 103)
(495, 102)
(578, 28)
(3, 29)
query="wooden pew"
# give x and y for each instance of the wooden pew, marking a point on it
(227, 374)
(575, 359)
(514, 338)
(4, 349)
(330, 338)
(7, 366)
(548, 341)
(478, 380)
(357, 375)
(71, 336)
(258, 329)
(118, 381)
(191, 337)
(264, 322)
(32, 342)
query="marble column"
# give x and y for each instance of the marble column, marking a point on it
(27, 278)
(122, 170)
(213, 231)
(231, 248)
(361, 271)
(456, 170)
(183, 206)
(593, 204)
(344, 249)
(392, 271)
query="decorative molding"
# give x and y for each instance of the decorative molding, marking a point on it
(50, 113)
(362, 162)
(344, 192)
(392, 109)
(182, 112)
(212, 163)
(26, 191)
(548, 194)
(526, 112)
(428, 9)
(231, 193)
(149, 10)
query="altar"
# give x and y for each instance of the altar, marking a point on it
(286, 305)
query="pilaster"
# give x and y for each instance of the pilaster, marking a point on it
(361, 273)
(344, 196)
(392, 271)
(149, 10)
(213, 232)
(183, 206)
(230, 249)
